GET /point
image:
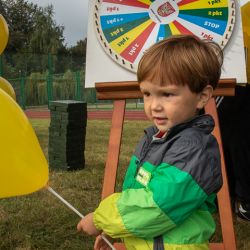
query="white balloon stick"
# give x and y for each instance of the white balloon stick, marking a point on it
(50, 189)
(64, 201)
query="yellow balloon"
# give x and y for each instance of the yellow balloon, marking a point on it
(245, 12)
(4, 34)
(23, 167)
(7, 87)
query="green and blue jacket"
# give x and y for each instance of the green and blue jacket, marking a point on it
(168, 192)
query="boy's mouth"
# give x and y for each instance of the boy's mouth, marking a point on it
(160, 120)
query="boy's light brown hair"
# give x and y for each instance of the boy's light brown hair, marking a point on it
(182, 59)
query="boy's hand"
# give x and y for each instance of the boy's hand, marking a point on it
(100, 243)
(87, 225)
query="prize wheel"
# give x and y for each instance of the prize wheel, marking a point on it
(126, 28)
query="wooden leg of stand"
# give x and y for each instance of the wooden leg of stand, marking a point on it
(113, 148)
(224, 203)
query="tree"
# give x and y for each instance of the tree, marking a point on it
(20, 18)
(79, 49)
(47, 36)
(36, 42)
(33, 35)
(32, 28)
(78, 55)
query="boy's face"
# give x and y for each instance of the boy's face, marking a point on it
(169, 105)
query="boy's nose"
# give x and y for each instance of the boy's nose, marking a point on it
(156, 104)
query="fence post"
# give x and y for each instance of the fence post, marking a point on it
(22, 92)
(78, 86)
(49, 80)
(49, 88)
(93, 97)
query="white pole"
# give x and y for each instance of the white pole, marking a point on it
(51, 190)
(219, 101)
(64, 201)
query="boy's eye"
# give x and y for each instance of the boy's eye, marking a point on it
(146, 94)
(166, 94)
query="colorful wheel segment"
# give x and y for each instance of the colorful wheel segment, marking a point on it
(126, 28)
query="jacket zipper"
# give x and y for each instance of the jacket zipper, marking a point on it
(141, 160)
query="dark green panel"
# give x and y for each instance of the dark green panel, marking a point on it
(117, 31)
(212, 13)
(167, 31)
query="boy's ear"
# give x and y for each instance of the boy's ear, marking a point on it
(204, 96)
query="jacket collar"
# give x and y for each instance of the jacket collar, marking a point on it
(204, 122)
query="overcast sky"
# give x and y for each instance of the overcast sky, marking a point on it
(72, 14)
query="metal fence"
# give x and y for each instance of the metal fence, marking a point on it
(39, 90)
(40, 78)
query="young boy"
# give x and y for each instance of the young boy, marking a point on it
(173, 177)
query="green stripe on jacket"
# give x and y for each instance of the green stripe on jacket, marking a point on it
(176, 192)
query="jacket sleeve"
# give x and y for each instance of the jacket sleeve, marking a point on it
(175, 190)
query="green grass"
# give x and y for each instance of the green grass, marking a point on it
(41, 221)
